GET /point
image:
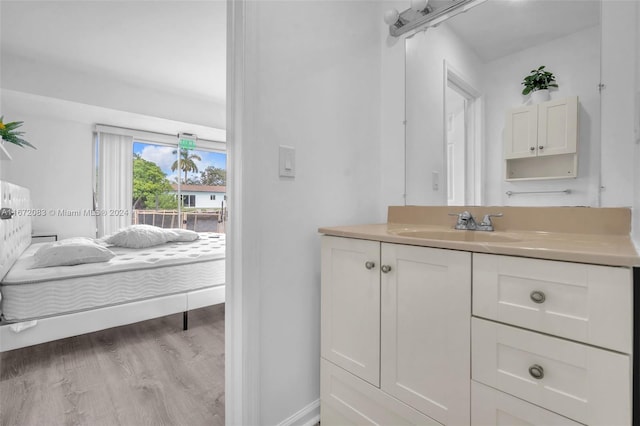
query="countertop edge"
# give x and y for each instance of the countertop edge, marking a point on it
(508, 249)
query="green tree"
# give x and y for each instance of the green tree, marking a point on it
(151, 188)
(213, 176)
(186, 163)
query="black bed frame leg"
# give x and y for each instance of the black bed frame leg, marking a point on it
(185, 320)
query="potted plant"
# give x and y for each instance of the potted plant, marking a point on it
(538, 83)
(10, 134)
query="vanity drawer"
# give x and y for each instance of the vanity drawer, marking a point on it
(587, 303)
(490, 407)
(587, 384)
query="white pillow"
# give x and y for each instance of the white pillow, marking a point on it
(140, 236)
(71, 251)
(183, 235)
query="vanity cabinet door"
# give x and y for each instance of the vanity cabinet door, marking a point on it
(558, 126)
(350, 305)
(346, 400)
(425, 336)
(521, 132)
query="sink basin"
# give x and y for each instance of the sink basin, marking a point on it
(454, 235)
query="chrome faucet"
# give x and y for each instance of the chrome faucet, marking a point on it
(466, 221)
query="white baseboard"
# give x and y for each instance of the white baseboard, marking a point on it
(308, 416)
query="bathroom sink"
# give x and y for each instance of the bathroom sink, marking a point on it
(454, 235)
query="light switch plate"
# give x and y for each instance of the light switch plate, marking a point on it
(287, 161)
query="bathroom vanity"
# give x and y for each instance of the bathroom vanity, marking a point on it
(530, 324)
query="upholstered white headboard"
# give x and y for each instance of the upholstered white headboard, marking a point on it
(15, 233)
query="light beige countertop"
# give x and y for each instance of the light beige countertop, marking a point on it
(574, 234)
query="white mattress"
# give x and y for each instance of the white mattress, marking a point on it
(134, 274)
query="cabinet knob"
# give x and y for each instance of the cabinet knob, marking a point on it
(533, 148)
(537, 296)
(536, 371)
(541, 147)
(369, 264)
(385, 268)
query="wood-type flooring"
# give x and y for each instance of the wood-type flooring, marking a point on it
(149, 373)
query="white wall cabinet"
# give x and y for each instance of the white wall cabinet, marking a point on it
(423, 298)
(540, 141)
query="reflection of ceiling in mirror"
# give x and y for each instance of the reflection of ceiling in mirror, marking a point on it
(499, 28)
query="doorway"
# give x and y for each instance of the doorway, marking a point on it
(462, 139)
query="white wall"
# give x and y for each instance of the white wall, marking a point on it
(426, 53)
(392, 112)
(619, 56)
(59, 172)
(575, 60)
(313, 83)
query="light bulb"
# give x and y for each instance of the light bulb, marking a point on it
(391, 16)
(419, 5)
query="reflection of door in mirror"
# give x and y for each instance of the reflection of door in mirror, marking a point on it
(462, 139)
(455, 140)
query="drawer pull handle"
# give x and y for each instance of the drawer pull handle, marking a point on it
(536, 371)
(538, 296)
(369, 264)
(385, 268)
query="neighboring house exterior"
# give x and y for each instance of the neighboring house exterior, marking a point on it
(202, 196)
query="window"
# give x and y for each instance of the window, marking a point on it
(157, 181)
(188, 200)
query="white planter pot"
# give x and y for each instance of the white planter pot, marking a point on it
(540, 96)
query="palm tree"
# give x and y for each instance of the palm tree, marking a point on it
(186, 162)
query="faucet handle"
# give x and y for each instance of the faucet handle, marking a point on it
(464, 215)
(486, 220)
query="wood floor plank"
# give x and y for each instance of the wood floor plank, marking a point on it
(149, 373)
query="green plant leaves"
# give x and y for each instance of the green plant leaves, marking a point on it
(539, 79)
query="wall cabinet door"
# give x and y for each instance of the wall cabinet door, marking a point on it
(548, 128)
(521, 132)
(425, 335)
(350, 335)
(558, 126)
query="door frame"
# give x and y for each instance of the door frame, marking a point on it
(474, 143)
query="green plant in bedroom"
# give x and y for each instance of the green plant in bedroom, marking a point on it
(539, 79)
(10, 134)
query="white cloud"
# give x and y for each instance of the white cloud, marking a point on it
(163, 156)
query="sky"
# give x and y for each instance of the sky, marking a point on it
(163, 156)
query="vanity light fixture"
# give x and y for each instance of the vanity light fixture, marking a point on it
(421, 14)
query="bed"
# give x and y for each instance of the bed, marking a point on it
(44, 304)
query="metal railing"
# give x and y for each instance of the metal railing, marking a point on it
(197, 220)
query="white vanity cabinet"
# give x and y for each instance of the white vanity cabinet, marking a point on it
(395, 334)
(555, 335)
(540, 141)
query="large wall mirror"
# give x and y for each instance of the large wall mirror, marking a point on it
(463, 75)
